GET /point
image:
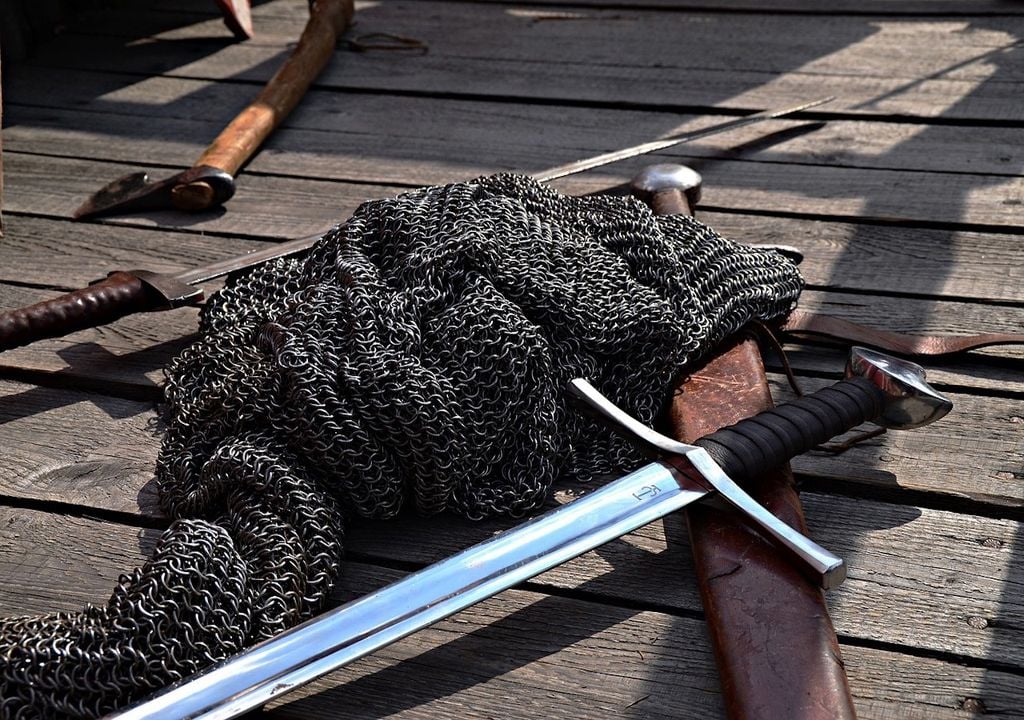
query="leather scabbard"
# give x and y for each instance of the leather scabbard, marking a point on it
(776, 649)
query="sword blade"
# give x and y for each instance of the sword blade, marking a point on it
(223, 267)
(220, 268)
(579, 166)
(378, 619)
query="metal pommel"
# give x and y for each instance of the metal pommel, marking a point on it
(668, 176)
(910, 401)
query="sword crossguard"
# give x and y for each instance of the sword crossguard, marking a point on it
(878, 388)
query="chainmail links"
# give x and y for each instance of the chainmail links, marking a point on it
(417, 357)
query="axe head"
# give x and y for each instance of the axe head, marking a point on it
(197, 188)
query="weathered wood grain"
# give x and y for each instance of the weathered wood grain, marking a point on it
(457, 137)
(54, 187)
(957, 574)
(268, 12)
(548, 652)
(77, 448)
(285, 207)
(885, 259)
(863, 7)
(125, 359)
(929, 67)
(61, 254)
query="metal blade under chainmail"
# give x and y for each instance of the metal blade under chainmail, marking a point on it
(418, 356)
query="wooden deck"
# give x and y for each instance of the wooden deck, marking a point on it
(906, 195)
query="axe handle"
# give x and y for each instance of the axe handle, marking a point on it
(240, 139)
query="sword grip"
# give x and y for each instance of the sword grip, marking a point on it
(115, 296)
(773, 437)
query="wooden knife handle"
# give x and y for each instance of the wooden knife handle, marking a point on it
(240, 139)
(116, 296)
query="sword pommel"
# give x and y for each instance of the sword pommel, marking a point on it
(669, 188)
(910, 402)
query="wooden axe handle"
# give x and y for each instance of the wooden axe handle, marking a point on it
(240, 139)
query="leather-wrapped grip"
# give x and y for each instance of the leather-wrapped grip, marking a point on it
(115, 296)
(771, 438)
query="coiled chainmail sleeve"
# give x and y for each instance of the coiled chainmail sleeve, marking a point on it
(417, 357)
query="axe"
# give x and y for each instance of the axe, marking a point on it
(211, 180)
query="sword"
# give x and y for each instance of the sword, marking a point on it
(878, 387)
(124, 293)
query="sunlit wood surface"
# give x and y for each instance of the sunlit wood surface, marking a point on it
(906, 195)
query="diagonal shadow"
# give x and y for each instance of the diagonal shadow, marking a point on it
(93, 372)
(482, 655)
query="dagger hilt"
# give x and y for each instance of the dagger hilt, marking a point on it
(878, 387)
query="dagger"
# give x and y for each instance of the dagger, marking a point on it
(124, 293)
(887, 390)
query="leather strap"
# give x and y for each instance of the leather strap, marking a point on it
(803, 323)
(774, 643)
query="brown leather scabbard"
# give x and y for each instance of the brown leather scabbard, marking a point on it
(774, 643)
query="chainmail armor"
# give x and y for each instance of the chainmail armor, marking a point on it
(417, 356)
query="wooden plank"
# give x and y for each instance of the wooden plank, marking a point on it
(125, 359)
(443, 139)
(54, 187)
(265, 13)
(906, 561)
(858, 7)
(954, 574)
(884, 259)
(67, 255)
(922, 68)
(285, 207)
(902, 48)
(850, 194)
(548, 652)
(77, 448)
(922, 317)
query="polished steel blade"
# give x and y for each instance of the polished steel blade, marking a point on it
(579, 166)
(363, 626)
(223, 267)
(240, 262)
